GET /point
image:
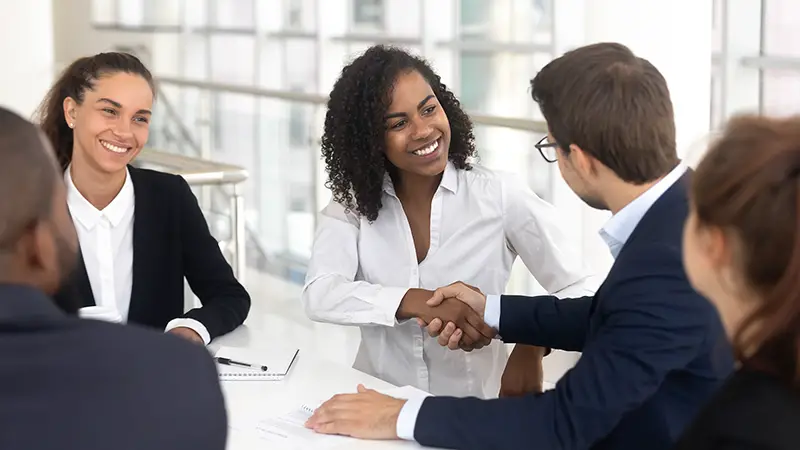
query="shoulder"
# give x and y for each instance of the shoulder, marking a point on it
(155, 180)
(147, 356)
(756, 408)
(651, 275)
(489, 181)
(335, 211)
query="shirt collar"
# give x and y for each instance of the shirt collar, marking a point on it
(87, 214)
(449, 180)
(620, 226)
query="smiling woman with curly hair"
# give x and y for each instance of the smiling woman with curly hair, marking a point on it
(411, 213)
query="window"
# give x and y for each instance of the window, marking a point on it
(475, 80)
(294, 14)
(298, 123)
(368, 13)
(474, 19)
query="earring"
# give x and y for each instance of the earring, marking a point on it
(71, 125)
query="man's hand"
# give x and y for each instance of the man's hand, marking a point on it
(472, 330)
(366, 415)
(187, 333)
(470, 295)
(523, 374)
(451, 334)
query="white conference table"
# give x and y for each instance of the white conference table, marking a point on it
(310, 381)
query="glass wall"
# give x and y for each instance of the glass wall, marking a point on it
(289, 53)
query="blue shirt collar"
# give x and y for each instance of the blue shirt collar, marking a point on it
(620, 226)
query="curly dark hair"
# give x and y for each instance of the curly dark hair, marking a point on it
(354, 141)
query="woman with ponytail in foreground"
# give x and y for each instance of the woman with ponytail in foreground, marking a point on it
(742, 251)
(140, 231)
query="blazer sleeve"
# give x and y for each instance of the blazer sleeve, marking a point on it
(653, 325)
(225, 301)
(545, 321)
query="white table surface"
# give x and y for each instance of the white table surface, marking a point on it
(310, 381)
(321, 370)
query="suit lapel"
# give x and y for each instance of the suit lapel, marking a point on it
(83, 289)
(142, 234)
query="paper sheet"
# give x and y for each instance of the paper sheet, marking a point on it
(288, 432)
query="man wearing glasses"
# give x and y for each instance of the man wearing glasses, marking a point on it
(653, 350)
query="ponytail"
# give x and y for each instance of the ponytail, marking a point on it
(73, 83)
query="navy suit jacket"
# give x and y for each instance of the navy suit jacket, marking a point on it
(653, 352)
(67, 383)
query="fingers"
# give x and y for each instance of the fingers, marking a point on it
(470, 332)
(435, 327)
(421, 323)
(437, 298)
(471, 287)
(448, 331)
(454, 342)
(485, 330)
(454, 291)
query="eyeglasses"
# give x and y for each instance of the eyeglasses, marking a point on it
(547, 150)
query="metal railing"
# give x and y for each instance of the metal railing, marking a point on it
(514, 123)
(200, 172)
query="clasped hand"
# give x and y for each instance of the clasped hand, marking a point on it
(455, 318)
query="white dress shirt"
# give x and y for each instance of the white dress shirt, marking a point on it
(106, 241)
(615, 233)
(480, 221)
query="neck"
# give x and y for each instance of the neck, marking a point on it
(621, 194)
(414, 187)
(97, 187)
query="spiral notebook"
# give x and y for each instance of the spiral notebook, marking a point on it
(278, 362)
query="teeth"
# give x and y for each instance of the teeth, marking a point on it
(427, 150)
(113, 148)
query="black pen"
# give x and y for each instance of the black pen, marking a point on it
(230, 362)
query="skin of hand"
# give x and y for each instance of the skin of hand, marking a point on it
(524, 373)
(365, 415)
(187, 333)
(450, 335)
(472, 329)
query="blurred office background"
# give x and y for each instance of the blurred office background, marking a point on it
(244, 82)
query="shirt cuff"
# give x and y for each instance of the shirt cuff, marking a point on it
(389, 299)
(407, 419)
(193, 325)
(491, 315)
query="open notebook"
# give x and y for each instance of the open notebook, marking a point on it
(278, 362)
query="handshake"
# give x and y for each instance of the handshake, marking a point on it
(452, 313)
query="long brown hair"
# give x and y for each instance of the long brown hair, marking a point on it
(749, 185)
(73, 82)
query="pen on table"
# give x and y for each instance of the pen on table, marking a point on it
(230, 362)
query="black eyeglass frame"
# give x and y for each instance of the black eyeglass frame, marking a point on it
(543, 144)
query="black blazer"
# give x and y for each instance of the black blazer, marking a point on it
(67, 383)
(754, 411)
(171, 240)
(654, 351)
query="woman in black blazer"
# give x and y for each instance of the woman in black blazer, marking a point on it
(742, 251)
(140, 231)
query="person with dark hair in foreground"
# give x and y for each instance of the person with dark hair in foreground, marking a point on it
(653, 350)
(411, 213)
(82, 384)
(742, 251)
(141, 232)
